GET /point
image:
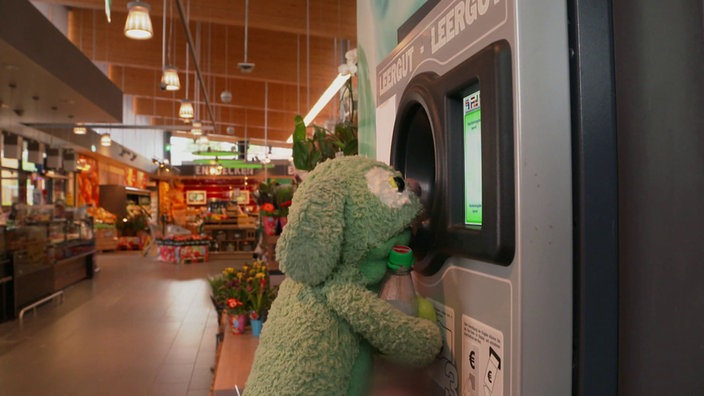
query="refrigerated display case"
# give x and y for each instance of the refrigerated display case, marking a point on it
(116, 199)
(47, 257)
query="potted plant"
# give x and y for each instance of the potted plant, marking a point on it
(230, 296)
(274, 200)
(259, 292)
(243, 293)
(324, 144)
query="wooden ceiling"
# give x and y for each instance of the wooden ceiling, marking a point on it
(295, 46)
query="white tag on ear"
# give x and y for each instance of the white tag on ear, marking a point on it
(382, 184)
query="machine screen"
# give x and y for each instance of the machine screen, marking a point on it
(472, 159)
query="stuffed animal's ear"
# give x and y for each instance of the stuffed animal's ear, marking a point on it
(310, 245)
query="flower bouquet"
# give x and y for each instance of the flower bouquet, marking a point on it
(229, 296)
(274, 200)
(243, 293)
(259, 291)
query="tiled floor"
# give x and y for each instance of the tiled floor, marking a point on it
(139, 327)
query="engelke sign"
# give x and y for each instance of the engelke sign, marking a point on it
(284, 169)
(213, 170)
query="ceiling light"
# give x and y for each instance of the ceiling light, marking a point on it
(79, 130)
(196, 130)
(138, 25)
(246, 67)
(169, 79)
(186, 109)
(226, 96)
(333, 89)
(105, 140)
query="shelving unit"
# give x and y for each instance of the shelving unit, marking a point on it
(115, 198)
(230, 238)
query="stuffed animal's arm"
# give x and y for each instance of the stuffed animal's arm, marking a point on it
(399, 337)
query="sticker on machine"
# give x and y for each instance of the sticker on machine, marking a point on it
(444, 369)
(482, 359)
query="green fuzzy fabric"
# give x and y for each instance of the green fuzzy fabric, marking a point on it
(327, 320)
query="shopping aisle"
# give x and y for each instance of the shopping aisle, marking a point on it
(140, 327)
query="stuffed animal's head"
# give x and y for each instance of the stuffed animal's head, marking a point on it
(345, 209)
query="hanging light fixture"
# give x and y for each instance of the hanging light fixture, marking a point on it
(196, 130)
(169, 78)
(226, 95)
(246, 67)
(138, 25)
(186, 110)
(105, 140)
(80, 130)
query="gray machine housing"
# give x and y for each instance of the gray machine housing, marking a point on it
(503, 293)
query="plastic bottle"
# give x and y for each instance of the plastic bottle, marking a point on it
(398, 287)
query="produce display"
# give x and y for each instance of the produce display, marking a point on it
(100, 215)
(183, 248)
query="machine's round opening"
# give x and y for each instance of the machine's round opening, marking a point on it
(418, 151)
(413, 153)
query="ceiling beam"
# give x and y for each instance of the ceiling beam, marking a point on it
(329, 19)
(297, 65)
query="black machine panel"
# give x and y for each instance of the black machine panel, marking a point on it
(454, 135)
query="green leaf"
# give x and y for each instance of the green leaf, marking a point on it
(301, 154)
(314, 159)
(345, 131)
(351, 148)
(299, 132)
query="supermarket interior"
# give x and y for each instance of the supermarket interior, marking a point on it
(351, 197)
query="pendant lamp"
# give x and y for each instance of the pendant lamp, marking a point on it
(105, 140)
(170, 80)
(186, 110)
(138, 25)
(196, 130)
(79, 130)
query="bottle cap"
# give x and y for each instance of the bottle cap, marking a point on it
(400, 257)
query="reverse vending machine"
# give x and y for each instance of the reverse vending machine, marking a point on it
(481, 119)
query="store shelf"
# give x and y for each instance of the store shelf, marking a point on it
(230, 239)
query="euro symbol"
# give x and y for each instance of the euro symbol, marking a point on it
(472, 360)
(489, 376)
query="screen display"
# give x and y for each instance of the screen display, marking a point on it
(471, 105)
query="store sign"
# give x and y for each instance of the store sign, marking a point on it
(283, 169)
(209, 170)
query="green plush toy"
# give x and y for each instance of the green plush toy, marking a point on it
(327, 321)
